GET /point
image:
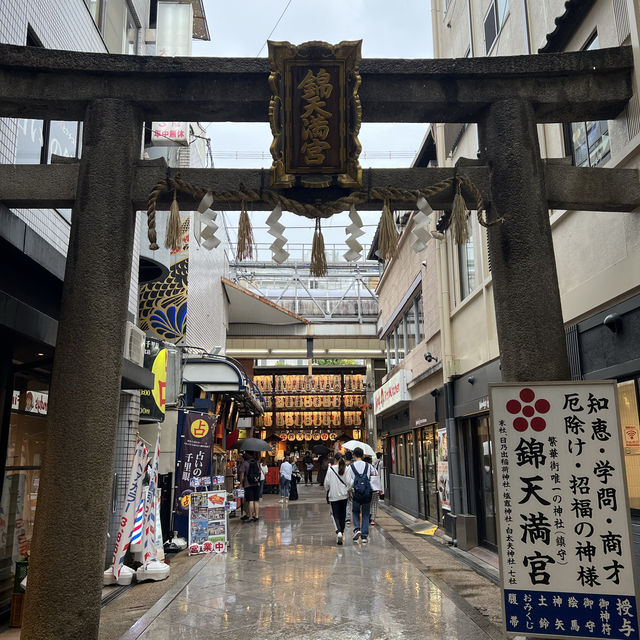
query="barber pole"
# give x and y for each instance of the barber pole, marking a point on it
(129, 511)
(149, 529)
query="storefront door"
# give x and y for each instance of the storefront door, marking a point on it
(427, 477)
(480, 478)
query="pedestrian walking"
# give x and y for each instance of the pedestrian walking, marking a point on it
(323, 465)
(308, 469)
(285, 480)
(348, 456)
(264, 470)
(337, 484)
(375, 492)
(295, 476)
(361, 473)
(378, 465)
(250, 480)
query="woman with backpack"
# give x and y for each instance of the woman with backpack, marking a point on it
(361, 473)
(337, 483)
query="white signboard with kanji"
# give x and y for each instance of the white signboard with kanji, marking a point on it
(566, 560)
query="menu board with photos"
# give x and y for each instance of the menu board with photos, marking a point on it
(208, 522)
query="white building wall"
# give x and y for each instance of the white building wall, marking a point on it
(59, 24)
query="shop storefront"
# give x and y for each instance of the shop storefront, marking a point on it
(431, 458)
(471, 412)
(304, 410)
(391, 407)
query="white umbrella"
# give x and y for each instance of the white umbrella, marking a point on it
(366, 449)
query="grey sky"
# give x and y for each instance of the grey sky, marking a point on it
(388, 29)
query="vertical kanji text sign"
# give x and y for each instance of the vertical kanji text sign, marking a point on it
(566, 560)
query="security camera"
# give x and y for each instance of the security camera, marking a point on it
(424, 263)
(430, 358)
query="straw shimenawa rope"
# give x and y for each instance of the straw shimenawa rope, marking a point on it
(323, 210)
(174, 225)
(388, 238)
(318, 266)
(246, 243)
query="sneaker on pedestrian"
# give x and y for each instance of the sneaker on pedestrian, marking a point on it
(281, 500)
(245, 517)
(365, 540)
(339, 538)
(356, 535)
(372, 522)
(253, 520)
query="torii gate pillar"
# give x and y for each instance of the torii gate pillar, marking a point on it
(86, 383)
(525, 283)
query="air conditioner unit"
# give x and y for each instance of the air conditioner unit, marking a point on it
(134, 344)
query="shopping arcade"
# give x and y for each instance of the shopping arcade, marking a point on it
(114, 95)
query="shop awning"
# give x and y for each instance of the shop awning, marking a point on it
(220, 374)
(135, 377)
(248, 307)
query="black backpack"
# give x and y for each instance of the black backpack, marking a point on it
(253, 475)
(361, 485)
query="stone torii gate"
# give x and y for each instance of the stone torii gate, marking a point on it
(114, 95)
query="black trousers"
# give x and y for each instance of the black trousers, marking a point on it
(308, 476)
(339, 514)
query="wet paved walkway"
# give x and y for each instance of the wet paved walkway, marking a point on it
(285, 577)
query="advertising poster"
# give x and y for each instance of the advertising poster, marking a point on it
(194, 458)
(153, 401)
(566, 560)
(443, 470)
(207, 522)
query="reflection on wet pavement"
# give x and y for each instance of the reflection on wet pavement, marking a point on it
(285, 577)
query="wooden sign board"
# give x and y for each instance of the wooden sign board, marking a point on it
(315, 114)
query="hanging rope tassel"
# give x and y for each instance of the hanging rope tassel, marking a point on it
(174, 226)
(246, 242)
(459, 215)
(318, 257)
(388, 241)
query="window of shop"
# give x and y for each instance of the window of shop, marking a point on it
(410, 324)
(394, 458)
(401, 456)
(589, 142)
(467, 264)
(410, 455)
(493, 22)
(38, 140)
(405, 335)
(420, 316)
(95, 9)
(25, 449)
(630, 425)
(400, 340)
(120, 27)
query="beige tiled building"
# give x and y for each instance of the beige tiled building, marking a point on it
(597, 260)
